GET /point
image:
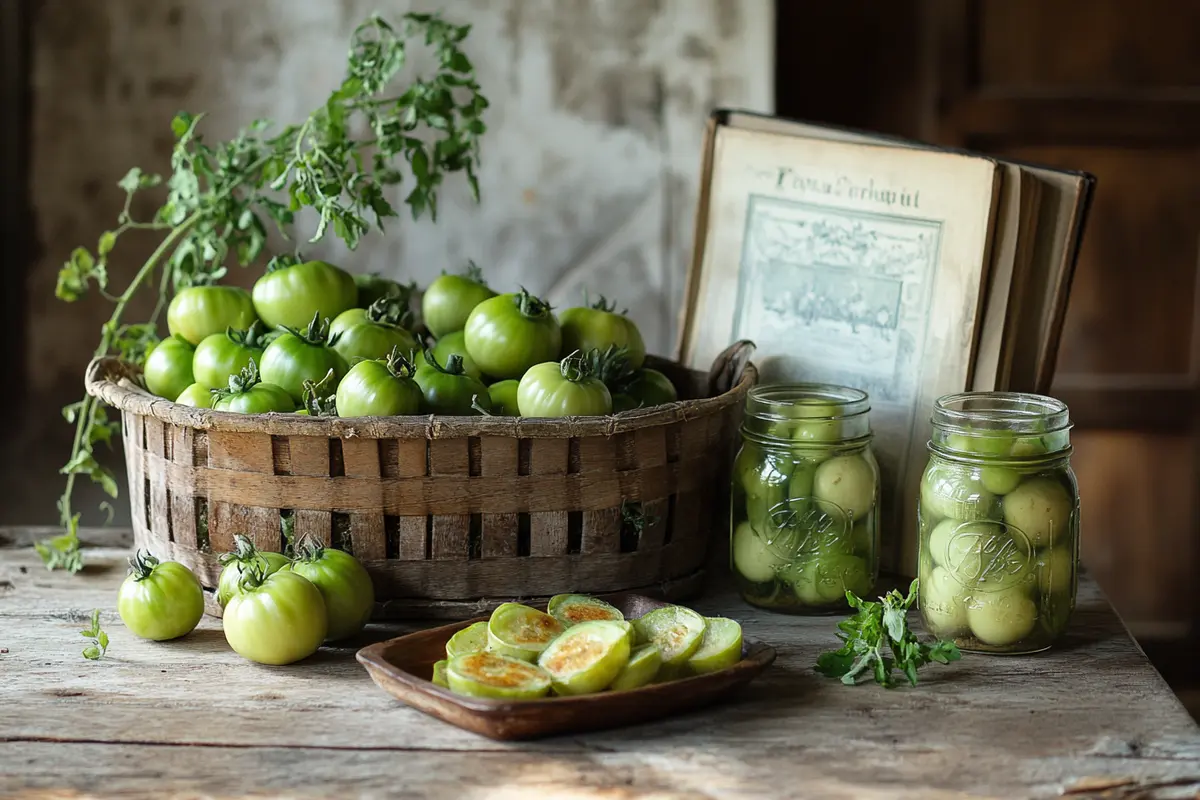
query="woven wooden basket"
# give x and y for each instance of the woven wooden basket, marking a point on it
(451, 515)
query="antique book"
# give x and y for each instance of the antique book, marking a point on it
(902, 269)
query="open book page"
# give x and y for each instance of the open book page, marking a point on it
(851, 264)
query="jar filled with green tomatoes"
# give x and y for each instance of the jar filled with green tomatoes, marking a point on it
(999, 522)
(805, 498)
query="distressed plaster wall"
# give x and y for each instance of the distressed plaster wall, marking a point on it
(589, 171)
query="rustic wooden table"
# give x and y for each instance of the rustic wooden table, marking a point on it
(192, 719)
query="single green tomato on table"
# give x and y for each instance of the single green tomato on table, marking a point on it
(289, 296)
(198, 312)
(1001, 618)
(504, 398)
(344, 583)
(168, 369)
(221, 355)
(373, 334)
(196, 396)
(298, 356)
(382, 388)
(508, 334)
(848, 482)
(586, 657)
(234, 566)
(598, 327)
(1041, 508)
(562, 389)
(450, 299)
(449, 390)
(159, 600)
(275, 619)
(248, 394)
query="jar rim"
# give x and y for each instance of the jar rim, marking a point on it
(767, 400)
(1016, 412)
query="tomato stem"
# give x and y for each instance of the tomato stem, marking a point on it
(141, 564)
(454, 363)
(397, 364)
(391, 312)
(531, 307)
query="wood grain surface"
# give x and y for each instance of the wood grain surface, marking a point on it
(192, 719)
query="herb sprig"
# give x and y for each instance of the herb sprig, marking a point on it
(99, 645)
(220, 197)
(877, 641)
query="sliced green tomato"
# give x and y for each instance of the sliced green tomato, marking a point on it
(471, 639)
(439, 674)
(676, 630)
(587, 657)
(496, 676)
(572, 609)
(720, 647)
(644, 663)
(521, 632)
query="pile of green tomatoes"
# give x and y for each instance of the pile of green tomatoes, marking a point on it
(313, 339)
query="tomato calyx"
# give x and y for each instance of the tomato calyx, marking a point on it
(390, 312)
(602, 304)
(319, 398)
(255, 337)
(397, 364)
(317, 332)
(531, 307)
(575, 367)
(283, 261)
(453, 366)
(612, 367)
(141, 564)
(308, 550)
(239, 382)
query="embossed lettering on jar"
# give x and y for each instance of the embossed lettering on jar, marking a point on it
(805, 498)
(999, 522)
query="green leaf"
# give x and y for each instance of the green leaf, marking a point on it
(108, 240)
(102, 640)
(895, 623)
(91, 652)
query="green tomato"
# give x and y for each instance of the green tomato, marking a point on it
(1041, 508)
(981, 556)
(982, 441)
(449, 390)
(586, 657)
(849, 482)
(383, 388)
(678, 632)
(562, 389)
(957, 492)
(367, 334)
(765, 478)
(296, 357)
(277, 620)
(598, 327)
(753, 558)
(508, 334)
(504, 398)
(471, 639)
(649, 387)
(455, 344)
(827, 577)
(196, 396)
(495, 676)
(344, 584)
(999, 480)
(644, 664)
(198, 312)
(168, 369)
(572, 609)
(222, 355)
(246, 394)
(1001, 618)
(159, 600)
(1055, 570)
(289, 296)
(942, 600)
(720, 648)
(244, 557)
(372, 287)
(518, 631)
(812, 421)
(450, 299)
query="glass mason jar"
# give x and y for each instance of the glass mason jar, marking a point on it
(999, 522)
(805, 498)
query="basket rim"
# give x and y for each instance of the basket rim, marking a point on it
(109, 379)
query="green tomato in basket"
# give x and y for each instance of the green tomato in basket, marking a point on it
(196, 396)
(298, 356)
(168, 369)
(373, 286)
(222, 355)
(289, 295)
(598, 327)
(647, 388)
(367, 334)
(382, 388)
(510, 333)
(248, 394)
(586, 657)
(562, 389)
(159, 600)
(504, 398)
(450, 299)
(275, 619)
(453, 344)
(235, 564)
(344, 584)
(449, 390)
(200, 311)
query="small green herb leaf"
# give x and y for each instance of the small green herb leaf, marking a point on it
(99, 645)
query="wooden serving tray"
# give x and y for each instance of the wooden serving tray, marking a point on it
(402, 667)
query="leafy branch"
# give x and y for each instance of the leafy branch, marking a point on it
(99, 645)
(220, 197)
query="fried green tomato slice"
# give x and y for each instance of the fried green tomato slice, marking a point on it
(495, 676)
(676, 630)
(587, 657)
(643, 666)
(439, 674)
(572, 609)
(518, 631)
(471, 639)
(720, 647)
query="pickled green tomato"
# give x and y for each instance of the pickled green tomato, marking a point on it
(848, 482)
(1041, 508)
(471, 639)
(720, 648)
(1055, 569)
(943, 603)
(522, 632)
(641, 669)
(956, 492)
(982, 442)
(1001, 618)
(676, 630)
(825, 579)
(587, 657)
(999, 480)
(496, 676)
(800, 486)
(765, 479)
(981, 556)
(753, 558)
(812, 422)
